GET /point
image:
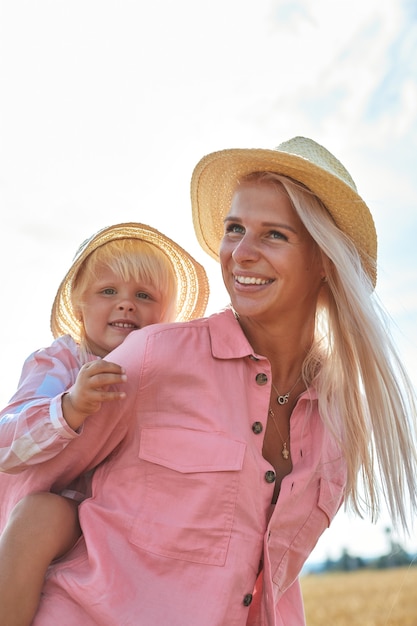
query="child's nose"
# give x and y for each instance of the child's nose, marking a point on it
(126, 305)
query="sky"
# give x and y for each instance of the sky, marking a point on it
(107, 106)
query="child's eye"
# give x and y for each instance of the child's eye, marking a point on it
(108, 291)
(143, 296)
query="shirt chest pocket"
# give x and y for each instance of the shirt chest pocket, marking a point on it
(189, 496)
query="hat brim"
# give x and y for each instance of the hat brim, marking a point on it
(215, 178)
(192, 291)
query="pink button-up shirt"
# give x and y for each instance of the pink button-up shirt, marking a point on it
(180, 515)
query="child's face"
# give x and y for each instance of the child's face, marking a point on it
(112, 308)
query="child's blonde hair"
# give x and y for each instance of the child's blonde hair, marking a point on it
(130, 259)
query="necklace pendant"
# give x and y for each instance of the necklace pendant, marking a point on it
(285, 452)
(283, 399)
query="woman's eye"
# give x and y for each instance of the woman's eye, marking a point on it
(234, 228)
(276, 234)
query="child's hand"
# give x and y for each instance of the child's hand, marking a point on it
(91, 390)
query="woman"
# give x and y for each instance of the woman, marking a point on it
(241, 434)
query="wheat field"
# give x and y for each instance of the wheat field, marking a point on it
(385, 597)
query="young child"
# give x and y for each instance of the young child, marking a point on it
(123, 278)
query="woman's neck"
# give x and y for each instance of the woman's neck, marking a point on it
(285, 346)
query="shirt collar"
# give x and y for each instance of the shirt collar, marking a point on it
(228, 340)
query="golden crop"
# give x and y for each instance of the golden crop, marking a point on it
(385, 597)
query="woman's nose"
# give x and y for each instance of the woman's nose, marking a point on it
(245, 250)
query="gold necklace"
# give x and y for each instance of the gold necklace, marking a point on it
(283, 399)
(284, 452)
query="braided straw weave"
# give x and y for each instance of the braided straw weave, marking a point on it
(193, 288)
(215, 178)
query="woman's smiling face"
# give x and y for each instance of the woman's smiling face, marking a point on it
(270, 264)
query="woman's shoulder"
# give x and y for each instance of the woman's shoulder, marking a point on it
(217, 323)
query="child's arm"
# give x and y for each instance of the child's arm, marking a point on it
(55, 396)
(67, 458)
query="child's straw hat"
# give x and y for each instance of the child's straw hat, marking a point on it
(193, 288)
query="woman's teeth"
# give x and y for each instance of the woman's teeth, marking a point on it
(246, 280)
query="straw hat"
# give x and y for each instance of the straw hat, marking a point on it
(193, 288)
(216, 175)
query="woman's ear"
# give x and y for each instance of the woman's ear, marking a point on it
(323, 272)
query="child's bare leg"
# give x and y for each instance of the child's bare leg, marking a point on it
(41, 528)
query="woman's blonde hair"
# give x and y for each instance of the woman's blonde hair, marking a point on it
(365, 395)
(130, 259)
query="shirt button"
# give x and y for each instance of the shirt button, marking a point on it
(247, 599)
(261, 379)
(257, 428)
(270, 476)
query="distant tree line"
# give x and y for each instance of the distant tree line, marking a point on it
(396, 557)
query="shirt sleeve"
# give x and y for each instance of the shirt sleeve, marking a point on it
(65, 456)
(32, 426)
